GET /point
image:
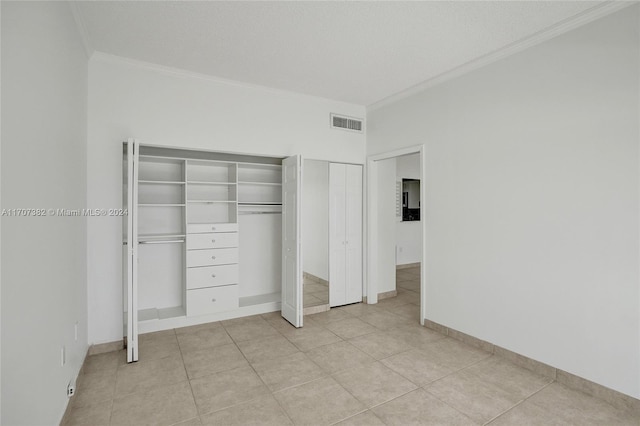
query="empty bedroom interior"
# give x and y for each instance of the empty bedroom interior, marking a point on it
(527, 155)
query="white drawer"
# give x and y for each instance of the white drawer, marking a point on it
(211, 257)
(199, 228)
(211, 276)
(211, 300)
(212, 240)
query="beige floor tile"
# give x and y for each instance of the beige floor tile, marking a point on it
(416, 366)
(454, 354)
(366, 418)
(287, 371)
(380, 345)
(157, 345)
(338, 357)
(419, 408)
(391, 303)
(315, 288)
(283, 326)
(413, 285)
(559, 405)
(350, 327)
(249, 328)
(321, 402)
(157, 337)
(146, 374)
(323, 296)
(268, 348)
(309, 337)
(226, 389)
(94, 387)
(408, 311)
(332, 315)
(94, 414)
(106, 361)
(202, 336)
(358, 309)
(160, 406)
(310, 300)
(409, 297)
(213, 360)
(191, 422)
(374, 384)
(488, 388)
(416, 335)
(264, 410)
(385, 320)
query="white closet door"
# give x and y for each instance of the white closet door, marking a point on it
(345, 234)
(337, 232)
(292, 305)
(353, 234)
(132, 250)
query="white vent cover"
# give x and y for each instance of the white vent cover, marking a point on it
(346, 123)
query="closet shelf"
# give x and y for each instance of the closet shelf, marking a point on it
(246, 182)
(161, 182)
(211, 201)
(159, 205)
(202, 182)
(260, 203)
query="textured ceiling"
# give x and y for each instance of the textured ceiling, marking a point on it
(359, 52)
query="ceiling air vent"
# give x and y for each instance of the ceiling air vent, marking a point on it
(346, 123)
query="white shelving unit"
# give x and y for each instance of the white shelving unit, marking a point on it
(205, 239)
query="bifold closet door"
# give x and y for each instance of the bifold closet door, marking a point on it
(131, 242)
(292, 305)
(345, 234)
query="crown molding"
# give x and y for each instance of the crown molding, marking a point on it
(82, 28)
(601, 10)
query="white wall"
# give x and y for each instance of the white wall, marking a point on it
(386, 232)
(315, 218)
(408, 234)
(44, 106)
(160, 106)
(532, 217)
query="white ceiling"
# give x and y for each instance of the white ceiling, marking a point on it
(359, 52)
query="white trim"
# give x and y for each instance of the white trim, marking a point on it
(181, 73)
(583, 18)
(82, 28)
(372, 221)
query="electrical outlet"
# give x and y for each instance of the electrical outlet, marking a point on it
(71, 390)
(62, 356)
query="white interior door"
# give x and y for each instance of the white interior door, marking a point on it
(353, 233)
(337, 231)
(132, 250)
(292, 304)
(345, 234)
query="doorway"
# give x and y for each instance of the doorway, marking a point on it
(385, 211)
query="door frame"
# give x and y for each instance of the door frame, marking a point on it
(372, 222)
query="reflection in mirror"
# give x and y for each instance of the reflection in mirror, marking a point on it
(315, 228)
(410, 199)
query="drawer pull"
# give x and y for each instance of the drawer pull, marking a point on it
(213, 300)
(213, 275)
(213, 241)
(213, 257)
(213, 228)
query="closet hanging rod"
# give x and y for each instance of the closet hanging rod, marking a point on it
(241, 213)
(161, 241)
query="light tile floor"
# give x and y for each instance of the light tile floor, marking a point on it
(354, 365)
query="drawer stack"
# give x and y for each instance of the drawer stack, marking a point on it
(212, 268)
